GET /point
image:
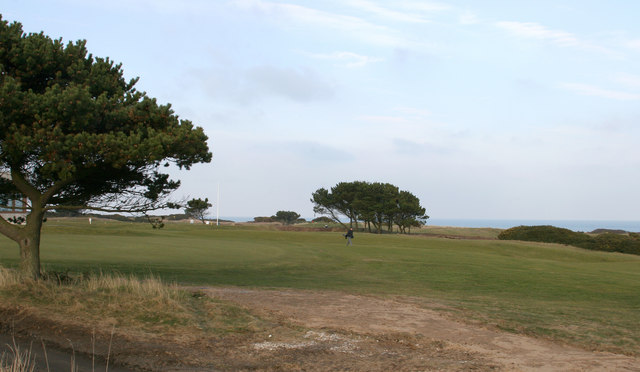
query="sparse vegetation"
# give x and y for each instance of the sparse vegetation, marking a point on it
(106, 300)
(17, 360)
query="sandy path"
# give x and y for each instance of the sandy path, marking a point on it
(371, 315)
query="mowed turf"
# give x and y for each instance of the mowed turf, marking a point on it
(587, 298)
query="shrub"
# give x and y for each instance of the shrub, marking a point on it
(545, 234)
(607, 242)
(617, 243)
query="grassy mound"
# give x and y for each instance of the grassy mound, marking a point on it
(607, 242)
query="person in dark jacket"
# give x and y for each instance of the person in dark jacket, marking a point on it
(349, 236)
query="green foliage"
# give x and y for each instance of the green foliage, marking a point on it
(263, 219)
(156, 222)
(75, 134)
(75, 130)
(286, 217)
(322, 219)
(197, 208)
(378, 204)
(548, 234)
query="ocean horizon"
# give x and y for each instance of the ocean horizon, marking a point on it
(575, 225)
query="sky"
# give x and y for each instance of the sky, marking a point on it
(482, 109)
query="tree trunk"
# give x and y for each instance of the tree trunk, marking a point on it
(29, 241)
(379, 225)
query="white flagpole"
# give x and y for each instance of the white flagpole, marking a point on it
(218, 207)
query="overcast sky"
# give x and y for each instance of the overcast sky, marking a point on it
(482, 109)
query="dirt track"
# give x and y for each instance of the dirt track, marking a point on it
(488, 349)
(315, 331)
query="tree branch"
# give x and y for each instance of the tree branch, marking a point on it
(54, 190)
(23, 186)
(9, 230)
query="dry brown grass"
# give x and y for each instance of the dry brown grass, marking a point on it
(130, 304)
(17, 360)
(8, 278)
(126, 309)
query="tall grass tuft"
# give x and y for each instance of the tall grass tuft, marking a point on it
(17, 361)
(150, 287)
(8, 277)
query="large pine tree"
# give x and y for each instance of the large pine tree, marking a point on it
(74, 134)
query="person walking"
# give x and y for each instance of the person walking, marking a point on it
(349, 236)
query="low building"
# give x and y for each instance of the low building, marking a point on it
(12, 206)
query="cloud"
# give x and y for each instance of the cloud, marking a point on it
(304, 152)
(384, 119)
(388, 14)
(301, 14)
(560, 38)
(628, 80)
(423, 6)
(468, 18)
(412, 111)
(413, 148)
(405, 115)
(591, 90)
(350, 59)
(297, 85)
(222, 82)
(633, 44)
(349, 26)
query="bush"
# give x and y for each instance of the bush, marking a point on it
(545, 234)
(607, 242)
(322, 219)
(617, 243)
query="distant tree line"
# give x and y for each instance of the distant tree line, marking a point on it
(379, 206)
(608, 242)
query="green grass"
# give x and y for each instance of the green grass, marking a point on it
(471, 232)
(583, 297)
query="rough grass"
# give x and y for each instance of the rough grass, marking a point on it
(465, 232)
(17, 360)
(128, 303)
(546, 290)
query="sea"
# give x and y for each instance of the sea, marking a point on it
(575, 225)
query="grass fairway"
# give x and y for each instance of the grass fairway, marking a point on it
(583, 297)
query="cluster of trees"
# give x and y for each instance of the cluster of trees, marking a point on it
(285, 217)
(197, 208)
(378, 205)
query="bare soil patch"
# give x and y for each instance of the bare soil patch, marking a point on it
(315, 331)
(402, 319)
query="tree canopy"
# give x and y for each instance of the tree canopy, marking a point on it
(286, 217)
(381, 205)
(75, 134)
(197, 208)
